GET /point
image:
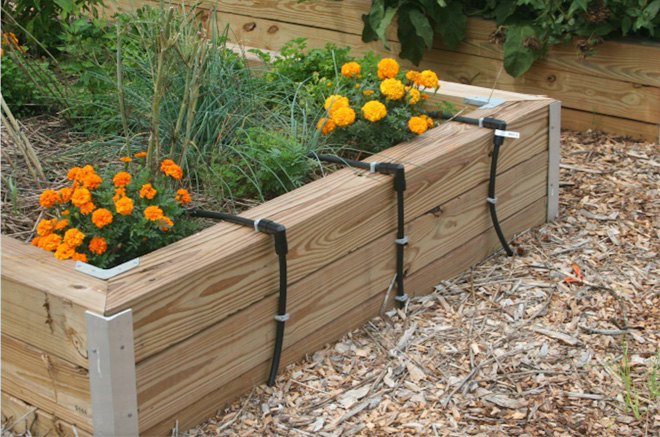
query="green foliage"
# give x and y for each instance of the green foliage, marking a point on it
(530, 26)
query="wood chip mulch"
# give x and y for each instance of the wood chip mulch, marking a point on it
(562, 339)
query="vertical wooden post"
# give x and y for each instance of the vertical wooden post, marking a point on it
(112, 385)
(554, 125)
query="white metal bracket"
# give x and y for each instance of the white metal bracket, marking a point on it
(554, 124)
(483, 102)
(111, 360)
(106, 273)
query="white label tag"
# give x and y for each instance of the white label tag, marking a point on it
(507, 133)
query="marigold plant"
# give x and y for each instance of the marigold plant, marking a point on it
(109, 219)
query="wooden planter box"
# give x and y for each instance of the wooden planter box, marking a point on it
(192, 326)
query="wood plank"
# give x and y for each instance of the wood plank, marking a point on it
(47, 309)
(197, 281)
(21, 418)
(246, 338)
(581, 121)
(421, 282)
(53, 385)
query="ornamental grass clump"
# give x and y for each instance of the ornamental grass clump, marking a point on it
(377, 105)
(107, 220)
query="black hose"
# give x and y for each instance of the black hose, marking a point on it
(281, 249)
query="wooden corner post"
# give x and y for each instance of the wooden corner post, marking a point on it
(554, 126)
(112, 384)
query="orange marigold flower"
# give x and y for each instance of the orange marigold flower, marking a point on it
(124, 206)
(97, 245)
(91, 181)
(64, 194)
(87, 208)
(72, 173)
(350, 69)
(392, 89)
(387, 68)
(119, 193)
(413, 95)
(50, 242)
(417, 125)
(428, 79)
(140, 154)
(326, 125)
(64, 251)
(153, 213)
(367, 92)
(73, 237)
(165, 223)
(412, 76)
(121, 179)
(48, 198)
(79, 256)
(147, 191)
(335, 102)
(101, 217)
(343, 116)
(45, 226)
(80, 197)
(182, 196)
(171, 169)
(425, 96)
(373, 110)
(65, 212)
(125, 159)
(60, 224)
(35, 241)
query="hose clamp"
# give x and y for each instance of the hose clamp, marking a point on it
(372, 167)
(282, 317)
(492, 200)
(401, 241)
(402, 298)
(481, 122)
(256, 224)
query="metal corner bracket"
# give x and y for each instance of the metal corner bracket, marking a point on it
(554, 125)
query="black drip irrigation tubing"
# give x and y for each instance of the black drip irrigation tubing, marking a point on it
(398, 171)
(278, 232)
(500, 132)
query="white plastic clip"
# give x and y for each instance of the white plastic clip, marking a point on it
(256, 224)
(372, 167)
(402, 298)
(282, 318)
(507, 133)
(492, 200)
(481, 122)
(401, 241)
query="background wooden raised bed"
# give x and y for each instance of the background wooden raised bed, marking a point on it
(617, 90)
(202, 309)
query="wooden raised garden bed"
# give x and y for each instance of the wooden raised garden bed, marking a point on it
(191, 327)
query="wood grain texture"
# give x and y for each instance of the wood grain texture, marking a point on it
(47, 382)
(580, 121)
(21, 418)
(246, 339)
(422, 281)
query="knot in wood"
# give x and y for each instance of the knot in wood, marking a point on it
(249, 27)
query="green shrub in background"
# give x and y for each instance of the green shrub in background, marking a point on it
(529, 26)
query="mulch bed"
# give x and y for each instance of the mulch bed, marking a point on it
(529, 345)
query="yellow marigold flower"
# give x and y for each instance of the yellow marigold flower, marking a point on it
(64, 251)
(328, 84)
(125, 159)
(153, 213)
(148, 191)
(428, 79)
(124, 206)
(367, 92)
(373, 110)
(357, 85)
(429, 120)
(101, 217)
(165, 223)
(413, 95)
(50, 242)
(9, 38)
(350, 69)
(170, 168)
(182, 196)
(60, 224)
(119, 193)
(64, 194)
(48, 198)
(326, 125)
(412, 76)
(2, 52)
(387, 68)
(140, 154)
(80, 197)
(73, 237)
(97, 245)
(45, 226)
(392, 89)
(121, 179)
(87, 208)
(335, 102)
(417, 125)
(343, 116)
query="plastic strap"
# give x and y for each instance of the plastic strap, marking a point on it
(372, 167)
(282, 317)
(481, 122)
(402, 298)
(492, 200)
(256, 225)
(506, 133)
(401, 241)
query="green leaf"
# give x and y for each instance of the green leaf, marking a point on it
(517, 57)
(504, 10)
(422, 26)
(412, 45)
(651, 10)
(577, 4)
(626, 25)
(450, 24)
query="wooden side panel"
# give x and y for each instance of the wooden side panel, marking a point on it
(421, 282)
(581, 120)
(245, 339)
(47, 382)
(21, 418)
